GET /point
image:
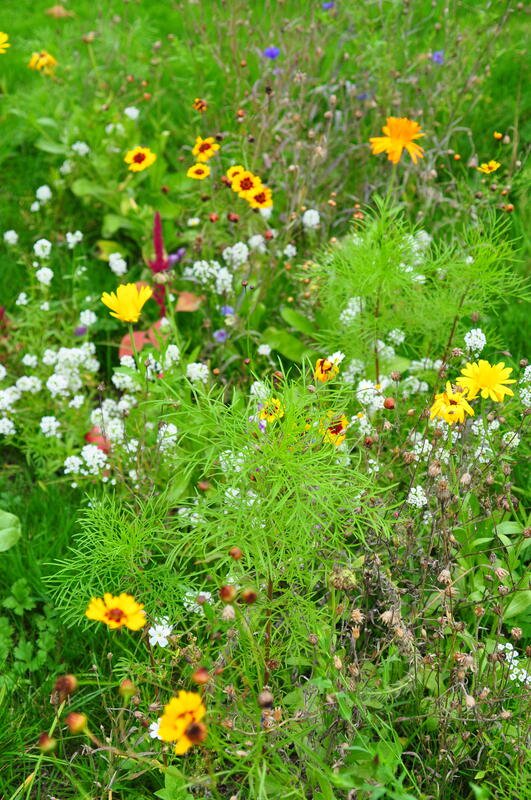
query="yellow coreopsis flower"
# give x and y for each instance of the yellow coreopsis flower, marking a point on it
(205, 148)
(260, 198)
(490, 166)
(487, 379)
(236, 169)
(272, 410)
(43, 61)
(334, 429)
(139, 158)
(181, 722)
(199, 172)
(245, 182)
(325, 370)
(399, 134)
(127, 302)
(451, 406)
(200, 105)
(4, 42)
(117, 612)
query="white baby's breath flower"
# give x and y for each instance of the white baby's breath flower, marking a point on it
(417, 497)
(11, 237)
(42, 248)
(132, 112)
(197, 372)
(87, 318)
(73, 238)
(35, 206)
(311, 219)
(43, 193)
(264, 350)
(50, 426)
(81, 148)
(22, 299)
(475, 340)
(118, 264)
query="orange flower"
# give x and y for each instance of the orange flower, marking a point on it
(205, 148)
(325, 370)
(199, 172)
(399, 134)
(260, 198)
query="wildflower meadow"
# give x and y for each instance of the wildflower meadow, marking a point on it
(264, 400)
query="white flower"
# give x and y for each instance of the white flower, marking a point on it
(73, 238)
(417, 497)
(158, 633)
(266, 212)
(526, 377)
(7, 427)
(264, 350)
(167, 436)
(49, 357)
(66, 167)
(30, 360)
(87, 318)
(3, 372)
(44, 275)
(42, 248)
(11, 237)
(154, 729)
(132, 112)
(117, 264)
(196, 372)
(311, 219)
(29, 383)
(35, 206)
(236, 255)
(475, 340)
(193, 222)
(290, 251)
(259, 390)
(50, 426)
(336, 358)
(353, 308)
(510, 439)
(8, 397)
(525, 396)
(77, 401)
(43, 194)
(58, 385)
(223, 283)
(171, 356)
(81, 148)
(45, 306)
(396, 336)
(257, 242)
(22, 299)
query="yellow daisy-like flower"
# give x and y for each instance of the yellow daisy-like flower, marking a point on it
(139, 158)
(43, 61)
(199, 172)
(490, 166)
(334, 429)
(272, 410)
(200, 105)
(4, 42)
(181, 722)
(205, 148)
(117, 612)
(451, 406)
(260, 198)
(487, 379)
(325, 370)
(400, 133)
(236, 169)
(245, 182)
(127, 302)
(497, 135)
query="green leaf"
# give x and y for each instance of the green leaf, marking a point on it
(20, 599)
(113, 223)
(521, 602)
(286, 344)
(85, 188)
(108, 246)
(49, 146)
(298, 321)
(10, 530)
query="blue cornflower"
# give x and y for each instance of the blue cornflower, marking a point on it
(221, 335)
(438, 56)
(272, 52)
(327, 6)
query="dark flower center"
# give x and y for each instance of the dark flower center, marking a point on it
(336, 427)
(139, 158)
(204, 146)
(260, 197)
(115, 614)
(246, 184)
(196, 732)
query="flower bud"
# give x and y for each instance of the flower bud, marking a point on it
(46, 743)
(76, 723)
(200, 676)
(235, 553)
(227, 593)
(249, 596)
(65, 685)
(389, 403)
(127, 689)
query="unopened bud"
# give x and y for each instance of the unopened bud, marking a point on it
(127, 689)
(235, 553)
(76, 723)
(389, 403)
(249, 596)
(227, 593)
(65, 685)
(46, 743)
(200, 676)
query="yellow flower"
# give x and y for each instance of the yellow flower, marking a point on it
(200, 105)
(233, 171)
(245, 182)
(117, 612)
(205, 148)
(489, 379)
(272, 410)
(399, 133)
(181, 722)
(199, 172)
(139, 158)
(334, 429)
(325, 370)
(127, 302)
(4, 43)
(497, 135)
(43, 60)
(451, 406)
(260, 198)
(489, 167)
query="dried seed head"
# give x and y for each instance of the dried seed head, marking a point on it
(228, 613)
(265, 699)
(434, 469)
(196, 732)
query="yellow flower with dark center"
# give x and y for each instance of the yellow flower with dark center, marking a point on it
(490, 166)
(260, 198)
(199, 172)
(181, 722)
(205, 148)
(400, 133)
(139, 158)
(117, 612)
(200, 105)
(334, 428)
(127, 302)
(236, 169)
(487, 379)
(451, 406)
(325, 370)
(43, 61)
(245, 182)
(497, 135)
(4, 42)
(272, 410)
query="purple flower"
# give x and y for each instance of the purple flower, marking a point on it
(80, 331)
(221, 335)
(327, 6)
(272, 52)
(363, 96)
(226, 309)
(174, 258)
(438, 56)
